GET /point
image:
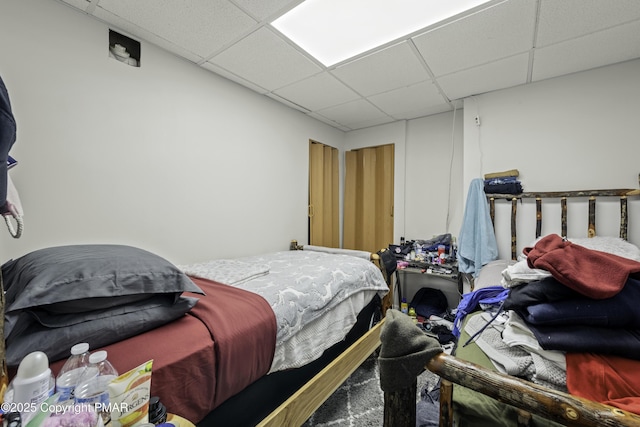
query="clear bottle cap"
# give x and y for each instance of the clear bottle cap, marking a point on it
(98, 356)
(80, 348)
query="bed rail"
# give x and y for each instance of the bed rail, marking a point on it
(550, 404)
(299, 407)
(531, 398)
(622, 193)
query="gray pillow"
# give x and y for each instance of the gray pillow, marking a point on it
(491, 274)
(78, 278)
(55, 335)
(58, 296)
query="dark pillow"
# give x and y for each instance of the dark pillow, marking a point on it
(58, 296)
(77, 278)
(55, 335)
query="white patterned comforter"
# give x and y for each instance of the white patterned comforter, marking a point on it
(315, 296)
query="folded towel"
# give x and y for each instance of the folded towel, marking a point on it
(520, 273)
(510, 172)
(477, 243)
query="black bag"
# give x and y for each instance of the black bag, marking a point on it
(429, 301)
(401, 251)
(388, 263)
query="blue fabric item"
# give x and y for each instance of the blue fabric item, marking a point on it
(621, 342)
(477, 243)
(619, 311)
(501, 180)
(506, 188)
(493, 295)
(7, 139)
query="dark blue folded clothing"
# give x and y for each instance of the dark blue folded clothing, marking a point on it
(619, 311)
(538, 292)
(506, 188)
(501, 180)
(586, 339)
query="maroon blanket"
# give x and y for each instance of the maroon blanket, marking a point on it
(225, 343)
(244, 331)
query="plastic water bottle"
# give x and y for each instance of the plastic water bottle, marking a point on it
(93, 385)
(71, 370)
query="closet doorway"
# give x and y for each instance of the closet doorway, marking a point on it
(368, 198)
(323, 209)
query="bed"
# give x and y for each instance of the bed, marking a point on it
(480, 386)
(235, 339)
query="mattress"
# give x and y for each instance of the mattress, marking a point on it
(206, 356)
(316, 296)
(280, 313)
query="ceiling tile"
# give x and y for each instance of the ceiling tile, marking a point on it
(413, 101)
(485, 78)
(200, 26)
(388, 69)
(605, 47)
(355, 113)
(500, 31)
(566, 19)
(371, 122)
(490, 48)
(317, 92)
(262, 9)
(267, 60)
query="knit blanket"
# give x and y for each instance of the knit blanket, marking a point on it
(514, 360)
(304, 289)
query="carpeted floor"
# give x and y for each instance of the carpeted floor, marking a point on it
(359, 402)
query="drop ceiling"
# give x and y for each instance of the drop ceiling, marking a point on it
(498, 45)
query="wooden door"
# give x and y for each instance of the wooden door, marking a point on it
(324, 226)
(368, 198)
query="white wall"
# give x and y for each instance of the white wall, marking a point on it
(575, 132)
(167, 157)
(433, 203)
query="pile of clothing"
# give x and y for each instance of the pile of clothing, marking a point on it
(502, 182)
(569, 319)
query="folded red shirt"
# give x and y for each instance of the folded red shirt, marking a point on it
(594, 274)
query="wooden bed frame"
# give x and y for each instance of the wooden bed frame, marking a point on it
(304, 402)
(622, 194)
(529, 398)
(299, 407)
